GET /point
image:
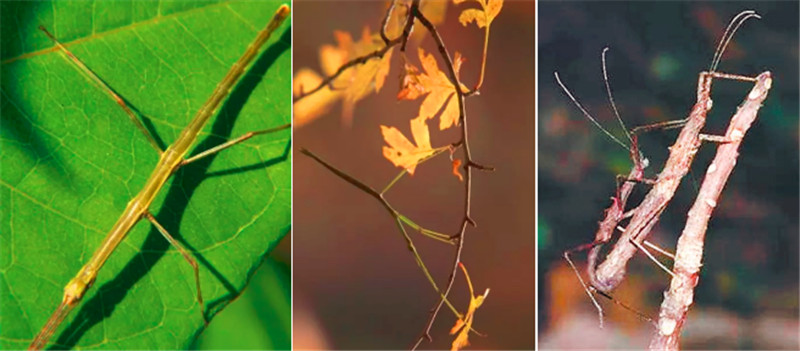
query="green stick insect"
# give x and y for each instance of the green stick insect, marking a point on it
(152, 292)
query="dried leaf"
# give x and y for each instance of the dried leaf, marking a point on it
(458, 60)
(456, 171)
(410, 85)
(401, 152)
(463, 326)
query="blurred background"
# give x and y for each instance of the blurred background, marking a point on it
(356, 285)
(747, 297)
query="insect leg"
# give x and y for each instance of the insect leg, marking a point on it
(679, 123)
(233, 142)
(188, 258)
(658, 249)
(650, 256)
(88, 72)
(588, 288)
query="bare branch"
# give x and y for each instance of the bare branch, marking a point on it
(688, 257)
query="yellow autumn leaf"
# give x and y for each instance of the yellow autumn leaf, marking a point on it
(311, 107)
(434, 11)
(440, 92)
(493, 9)
(361, 82)
(464, 325)
(401, 152)
(470, 15)
(397, 19)
(367, 76)
(483, 16)
(383, 70)
(352, 85)
(332, 57)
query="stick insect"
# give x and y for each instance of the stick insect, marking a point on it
(610, 273)
(170, 160)
(616, 211)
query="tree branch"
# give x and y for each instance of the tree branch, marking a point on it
(680, 295)
(468, 165)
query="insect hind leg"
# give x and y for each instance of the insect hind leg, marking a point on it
(107, 89)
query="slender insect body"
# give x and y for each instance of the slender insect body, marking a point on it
(609, 274)
(614, 215)
(169, 161)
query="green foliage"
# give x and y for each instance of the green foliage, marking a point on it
(260, 319)
(71, 160)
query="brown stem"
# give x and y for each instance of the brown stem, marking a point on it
(485, 52)
(689, 253)
(409, 24)
(469, 164)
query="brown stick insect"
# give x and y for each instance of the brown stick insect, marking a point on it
(610, 273)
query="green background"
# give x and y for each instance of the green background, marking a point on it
(71, 160)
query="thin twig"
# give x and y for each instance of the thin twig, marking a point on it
(469, 163)
(385, 21)
(409, 24)
(354, 62)
(689, 253)
(388, 44)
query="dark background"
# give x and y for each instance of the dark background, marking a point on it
(356, 285)
(748, 291)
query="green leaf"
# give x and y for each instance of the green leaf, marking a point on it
(260, 318)
(71, 160)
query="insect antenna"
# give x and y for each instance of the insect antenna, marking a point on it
(734, 25)
(586, 113)
(726, 38)
(611, 97)
(634, 148)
